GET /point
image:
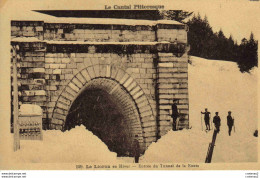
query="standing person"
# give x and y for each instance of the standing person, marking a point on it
(206, 118)
(230, 122)
(217, 121)
(175, 114)
(136, 149)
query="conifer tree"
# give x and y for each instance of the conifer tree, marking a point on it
(248, 54)
(178, 15)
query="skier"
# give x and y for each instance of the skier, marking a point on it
(136, 149)
(230, 122)
(175, 114)
(206, 118)
(217, 121)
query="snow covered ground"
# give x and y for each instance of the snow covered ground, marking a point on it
(191, 146)
(76, 145)
(217, 85)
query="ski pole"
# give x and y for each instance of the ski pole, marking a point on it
(201, 121)
(234, 124)
(211, 122)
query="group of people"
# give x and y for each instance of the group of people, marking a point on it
(217, 121)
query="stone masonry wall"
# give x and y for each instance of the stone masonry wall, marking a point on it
(154, 68)
(172, 84)
(100, 33)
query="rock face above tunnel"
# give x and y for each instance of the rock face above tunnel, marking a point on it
(142, 67)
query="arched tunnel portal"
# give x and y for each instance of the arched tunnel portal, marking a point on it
(105, 108)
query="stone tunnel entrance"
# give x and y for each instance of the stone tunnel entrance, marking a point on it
(118, 79)
(107, 110)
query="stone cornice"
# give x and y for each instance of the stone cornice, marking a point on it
(102, 47)
(152, 25)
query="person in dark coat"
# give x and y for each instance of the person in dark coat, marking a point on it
(217, 121)
(230, 122)
(175, 114)
(136, 149)
(206, 118)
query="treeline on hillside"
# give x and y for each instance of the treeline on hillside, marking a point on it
(207, 44)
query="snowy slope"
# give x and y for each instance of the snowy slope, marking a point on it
(217, 85)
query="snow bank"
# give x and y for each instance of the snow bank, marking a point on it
(219, 86)
(30, 109)
(76, 145)
(191, 146)
(181, 146)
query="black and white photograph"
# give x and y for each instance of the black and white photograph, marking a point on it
(129, 85)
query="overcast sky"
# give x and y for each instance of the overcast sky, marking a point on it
(236, 18)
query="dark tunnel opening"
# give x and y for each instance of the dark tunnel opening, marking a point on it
(101, 114)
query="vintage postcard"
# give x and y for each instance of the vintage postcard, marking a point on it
(129, 85)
